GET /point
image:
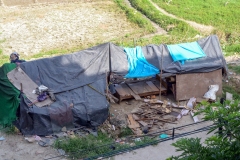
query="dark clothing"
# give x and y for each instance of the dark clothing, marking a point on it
(17, 61)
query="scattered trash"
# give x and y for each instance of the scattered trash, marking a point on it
(162, 136)
(137, 139)
(2, 138)
(64, 129)
(190, 105)
(195, 118)
(229, 96)
(61, 151)
(113, 127)
(33, 139)
(211, 93)
(43, 143)
(37, 138)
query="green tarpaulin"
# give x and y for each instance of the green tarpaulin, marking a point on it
(9, 100)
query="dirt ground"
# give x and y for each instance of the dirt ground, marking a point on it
(15, 147)
(33, 28)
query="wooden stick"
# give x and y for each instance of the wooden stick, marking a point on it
(160, 90)
(106, 82)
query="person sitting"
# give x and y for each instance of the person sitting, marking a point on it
(14, 58)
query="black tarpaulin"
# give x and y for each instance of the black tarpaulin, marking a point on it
(69, 77)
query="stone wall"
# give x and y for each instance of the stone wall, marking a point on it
(29, 2)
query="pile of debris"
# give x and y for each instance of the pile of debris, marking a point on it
(151, 116)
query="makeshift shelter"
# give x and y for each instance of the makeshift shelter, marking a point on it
(78, 81)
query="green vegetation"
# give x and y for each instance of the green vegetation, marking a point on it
(221, 14)
(88, 146)
(91, 146)
(235, 68)
(9, 129)
(234, 90)
(3, 58)
(173, 26)
(136, 17)
(223, 144)
(125, 132)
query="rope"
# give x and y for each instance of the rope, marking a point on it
(95, 90)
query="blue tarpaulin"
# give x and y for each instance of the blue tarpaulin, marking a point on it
(137, 64)
(185, 51)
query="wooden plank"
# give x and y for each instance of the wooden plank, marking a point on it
(143, 123)
(136, 96)
(139, 87)
(18, 77)
(120, 90)
(132, 122)
(196, 84)
(157, 84)
(135, 117)
(137, 90)
(152, 86)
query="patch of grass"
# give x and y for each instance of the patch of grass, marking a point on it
(125, 132)
(233, 48)
(91, 146)
(220, 14)
(3, 58)
(3, 40)
(49, 53)
(234, 68)
(87, 146)
(173, 26)
(9, 129)
(231, 89)
(136, 17)
(145, 140)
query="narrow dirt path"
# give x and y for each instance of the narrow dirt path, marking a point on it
(200, 27)
(159, 30)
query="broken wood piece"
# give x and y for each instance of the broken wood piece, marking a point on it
(159, 119)
(143, 123)
(132, 122)
(165, 103)
(167, 110)
(177, 106)
(135, 117)
(151, 123)
(137, 110)
(195, 118)
(155, 107)
(133, 93)
(153, 101)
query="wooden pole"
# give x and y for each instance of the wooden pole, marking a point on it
(160, 94)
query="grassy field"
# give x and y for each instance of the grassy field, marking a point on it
(221, 14)
(173, 26)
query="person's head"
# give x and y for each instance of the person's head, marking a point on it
(14, 56)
